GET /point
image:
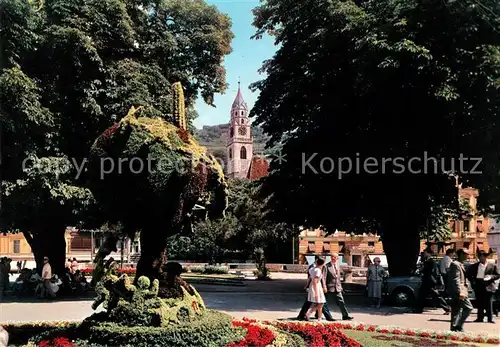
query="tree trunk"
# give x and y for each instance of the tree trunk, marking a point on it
(401, 246)
(48, 242)
(153, 249)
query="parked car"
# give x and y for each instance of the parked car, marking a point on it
(403, 290)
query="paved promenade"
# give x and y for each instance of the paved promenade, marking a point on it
(253, 305)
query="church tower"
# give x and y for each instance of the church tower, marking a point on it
(240, 142)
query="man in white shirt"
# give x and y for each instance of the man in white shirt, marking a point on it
(482, 276)
(444, 265)
(46, 277)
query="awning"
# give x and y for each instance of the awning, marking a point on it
(326, 246)
(383, 259)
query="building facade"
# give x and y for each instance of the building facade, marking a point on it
(470, 233)
(354, 250)
(82, 245)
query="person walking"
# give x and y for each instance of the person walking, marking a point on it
(461, 306)
(317, 290)
(307, 304)
(334, 286)
(431, 278)
(482, 276)
(444, 266)
(375, 276)
(46, 277)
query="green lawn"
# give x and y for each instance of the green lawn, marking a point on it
(368, 339)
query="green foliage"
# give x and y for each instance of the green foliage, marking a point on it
(70, 70)
(179, 173)
(210, 270)
(385, 80)
(213, 329)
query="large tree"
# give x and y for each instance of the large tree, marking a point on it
(70, 69)
(379, 83)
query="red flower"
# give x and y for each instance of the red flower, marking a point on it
(372, 328)
(410, 333)
(56, 342)
(454, 338)
(493, 341)
(257, 336)
(441, 337)
(319, 335)
(466, 339)
(424, 334)
(360, 327)
(383, 331)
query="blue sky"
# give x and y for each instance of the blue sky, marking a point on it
(244, 62)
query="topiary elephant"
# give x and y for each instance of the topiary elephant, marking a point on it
(149, 174)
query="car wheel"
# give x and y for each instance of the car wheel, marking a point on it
(402, 297)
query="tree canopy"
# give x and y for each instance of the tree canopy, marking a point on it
(367, 86)
(70, 69)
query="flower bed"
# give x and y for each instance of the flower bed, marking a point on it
(126, 270)
(451, 336)
(278, 334)
(291, 335)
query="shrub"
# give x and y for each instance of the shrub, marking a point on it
(263, 274)
(216, 270)
(213, 329)
(197, 269)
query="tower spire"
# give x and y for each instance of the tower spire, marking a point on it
(239, 103)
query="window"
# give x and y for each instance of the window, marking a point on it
(231, 132)
(341, 244)
(326, 247)
(136, 247)
(17, 246)
(371, 244)
(242, 121)
(242, 113)
(466, 225)
(243, 153)
(311, 247)
(230, 153)
(479, 226)
(466, 245)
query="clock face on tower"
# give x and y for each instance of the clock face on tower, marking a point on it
(242, 131)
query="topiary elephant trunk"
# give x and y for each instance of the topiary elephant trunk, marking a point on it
(149, 174)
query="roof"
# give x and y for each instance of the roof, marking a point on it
(239, 102)
(259, 167)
